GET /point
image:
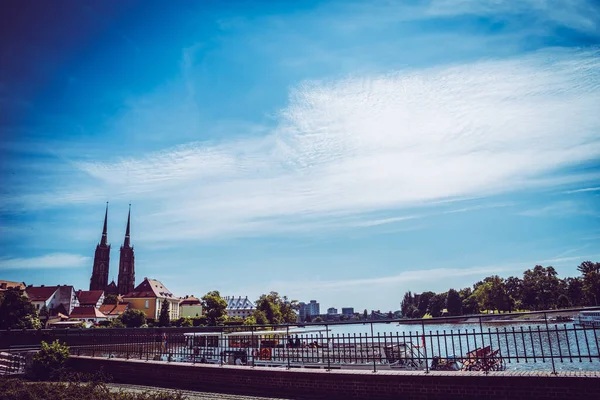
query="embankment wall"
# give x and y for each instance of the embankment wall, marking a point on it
(345, 384)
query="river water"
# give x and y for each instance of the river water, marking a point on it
(524, 346)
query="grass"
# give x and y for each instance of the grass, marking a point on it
(17, 389)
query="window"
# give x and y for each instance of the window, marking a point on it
(147, 304)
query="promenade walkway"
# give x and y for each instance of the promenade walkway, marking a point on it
(190, 395)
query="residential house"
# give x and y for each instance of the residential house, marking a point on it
(87, 314)
(90, 298)
(57, 299)
(190, 306)
(239, 306)
(113, 311)
(149, 295)
(5, 285)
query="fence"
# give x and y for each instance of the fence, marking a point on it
(480, 343)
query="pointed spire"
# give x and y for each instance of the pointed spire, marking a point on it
(104, 231)
(126, 243)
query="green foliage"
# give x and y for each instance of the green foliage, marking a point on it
(453, 303)
(214, 307)
(16, 312)
(50, 360)
(14, 389)
(132, 318)
(436, 304)
(251, 320)
(200, 321)
(591, 282)
(183, 322)
(563, 302)
(118, 323)
(407, 306)
(423, 305)
(318, 319)
(275, 309)
(111, 299)
(163, 318)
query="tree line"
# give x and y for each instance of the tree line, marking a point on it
(540, 288)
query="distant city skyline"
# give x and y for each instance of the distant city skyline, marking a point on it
(343, 151)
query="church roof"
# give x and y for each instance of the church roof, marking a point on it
(151, 288)
(86, 312)
(40, 293)
(90, 297)
(239, 303)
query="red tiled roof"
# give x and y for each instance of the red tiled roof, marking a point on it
(86, 312)
(114, 309)
(40, 293)
(150, 288)
(9, 284)
(89, 297)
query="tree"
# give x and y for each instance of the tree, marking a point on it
(132, 318)
(16, 312)
(453, 303)
(365, 314)
(215, 308)
(424, 303)
(574, 291)
(49, 360)
(591, 281)
(164, 318)
(436, 304)
(111, 298)
(470, 305)
(563, 302)
(250, 320)
(45, 315)
(408, 305)
(276, 309)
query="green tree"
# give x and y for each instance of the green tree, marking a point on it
(118, 323)
(424, 299)
(436, 305)
(563, 301)
(250, 320)
(164, 318)
(111, 299)
(591, 281)
(16, 312)
(575, 292)
(408, 305)
(49, 360)
(215, 308)
(453, 303)
(44, 315)
(276, 309)
(470, 305)
(132, 318)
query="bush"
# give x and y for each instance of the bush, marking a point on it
(133, 318)
(14, 389)
(50, 361)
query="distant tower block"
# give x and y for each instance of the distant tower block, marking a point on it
(99, 279)
(126, 280)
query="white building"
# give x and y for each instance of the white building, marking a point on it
(239, 306)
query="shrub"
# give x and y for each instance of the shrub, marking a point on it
(133, 318)
(50, 361)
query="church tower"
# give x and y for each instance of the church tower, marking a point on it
(99, 279)
(126, 281)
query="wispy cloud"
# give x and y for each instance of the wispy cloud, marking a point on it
(561, 208)
(584, 190)
(376, 143)
(49, 261)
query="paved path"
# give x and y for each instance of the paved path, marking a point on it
(190, 395)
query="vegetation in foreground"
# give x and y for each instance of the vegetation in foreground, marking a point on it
(17, 389)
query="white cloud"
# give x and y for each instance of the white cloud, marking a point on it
(49, 261)
(584, 190)
(347, 148)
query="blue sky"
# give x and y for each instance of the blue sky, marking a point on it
(336, 150)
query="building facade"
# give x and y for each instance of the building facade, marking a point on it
(239, 306)
(348, 312)
(149, 295)
(190, 306)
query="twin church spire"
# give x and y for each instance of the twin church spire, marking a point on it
(126, 279)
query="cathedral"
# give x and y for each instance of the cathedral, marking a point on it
(126, 280)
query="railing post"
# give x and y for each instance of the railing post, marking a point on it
(373, 348)
(485, 369)
(424, 346)
(550, 342)
(287, 346)
(328, 355)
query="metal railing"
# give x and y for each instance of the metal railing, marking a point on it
(486, 343)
